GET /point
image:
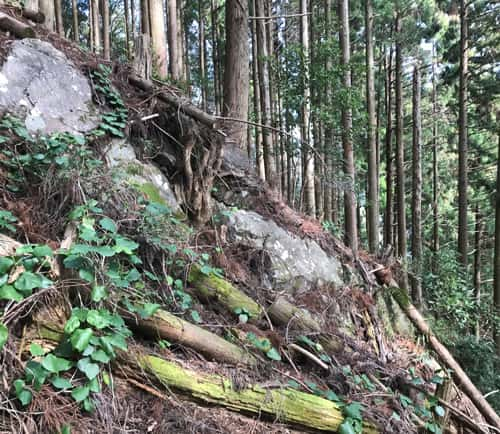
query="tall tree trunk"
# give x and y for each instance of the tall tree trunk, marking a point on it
(416, 235)
(32, 5)
(388, 221)
(158, 39)
(351, 232)
(215, 56)
(373, 206)
(307, 143)
(477, 263)
(91, 27)
(400, 152)
(462, 139)
(127, 27)
(435, 167)
(236, 71)
(74, 13)
(173, 44)
(496, 260)
(202, 56)
(265, 97)
(59, 17)
(132, 24)
(259, 160)
(145, 27)
(47, 8)
(96, 26)
(329, 143)
(106, 30)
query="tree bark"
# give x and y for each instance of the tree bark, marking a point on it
(127, 27)
(416, 235)
(400, 153)
(106, 30)
(48, 10)
(202, 58)
(17, 28)
(173, 43)
(351, 231)
(477, 263)
(435, 167)
(74, 12)
(96, 29)
(388, 221)
(265, 96)
(33, 14)
(158, 39)
(463, 139)
(145, 27)
(236, 77)
(215, 56)
(59, 17)
(373, 205)
(496, 260)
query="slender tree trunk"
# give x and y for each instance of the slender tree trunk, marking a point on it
(96, 26)
(462, 139)
(127, 27)
(259, 160)
(496, 260)
(236, 71)
(416, 236)
(59, 17)
(132, 25)
(435, 167)
(351, 232)
(373, 230)
(158, 39)
(47, 8)
(400, 152)
(202, 56)
(74, 13)
(106, 30)
(477, 263)
(329, 144)
(307, 143)
(32, 5)
(91, 27)
(173, 45)
(215, 56)
(145, 27)
(265, 97)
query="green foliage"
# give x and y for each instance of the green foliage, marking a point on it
(264, 345)
(6, 221)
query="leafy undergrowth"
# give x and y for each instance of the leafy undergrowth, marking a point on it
(95, 258)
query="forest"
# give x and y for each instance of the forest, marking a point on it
(375, 123)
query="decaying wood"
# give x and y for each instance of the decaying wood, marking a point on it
(283, 312)
(143, 63)
(8, 246)
(286, 405)
(179, 103)
(164, 325)
(35, 16)
(16, 27)
(460, 376)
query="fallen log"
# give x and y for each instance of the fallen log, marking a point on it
(16, 27)
(460, 376)
(35, 16)
(282, 312)
(179, 103)
(164, 325)
(286, 405)
(211, 287)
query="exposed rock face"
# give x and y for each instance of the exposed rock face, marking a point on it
(295, 263)
(147, 178)
(39, 83)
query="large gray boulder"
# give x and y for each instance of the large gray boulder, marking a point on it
(38, 83)
(145, 177)
(296, 263)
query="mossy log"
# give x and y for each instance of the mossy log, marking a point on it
(460, 376)
(16, 27)
(211, 287)
(164, 325)
(286, 405)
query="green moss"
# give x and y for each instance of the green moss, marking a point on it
(214, 287)
(134, 169)
(401, 296)
(287, 405)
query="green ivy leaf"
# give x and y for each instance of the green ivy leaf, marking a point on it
(36, 350)
(4, 335)
(80, 393)
(89, 405)
(147, 310)
(55, 364)
(61, 383)
(66, 429)
(24, 395)
(195, 316)
(100, 356)
(91, 370)
(28, 281)
(86, 275)
(439, 410)
(42, 251)
(72, 324)
(108, 225)
(353, 410)
(97, 320)
(5, 264)
(346, 427)
(7, 292)
(81, 338)
(125, 245)
(98, 293)
(105, 251)
(273, 354)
